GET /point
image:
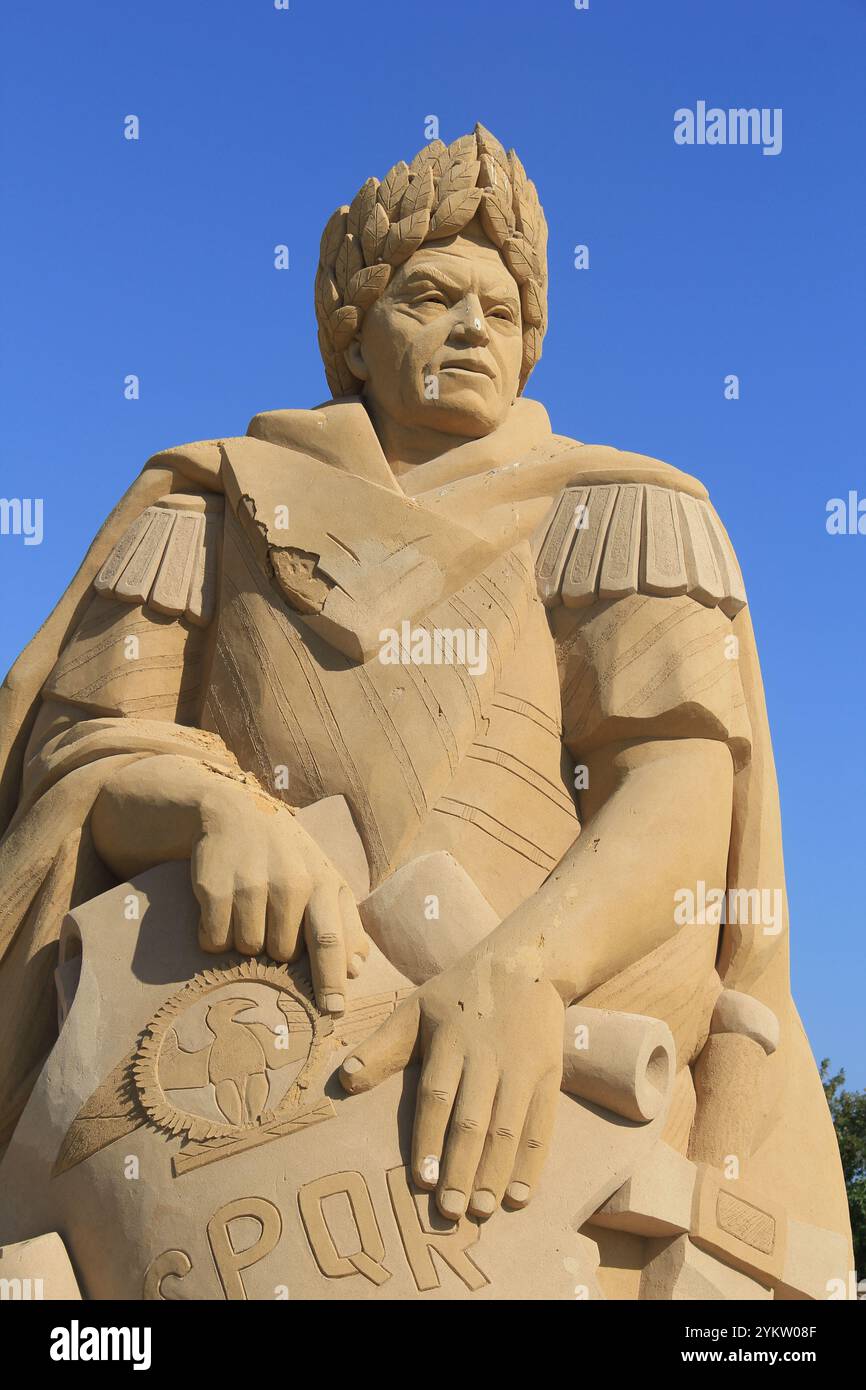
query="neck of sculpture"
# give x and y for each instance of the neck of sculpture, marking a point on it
(406, 446)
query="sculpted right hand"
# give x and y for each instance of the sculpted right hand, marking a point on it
(262, 883)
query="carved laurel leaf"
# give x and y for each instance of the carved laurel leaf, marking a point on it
(405, 237)
(522, 260)
(454, 212)
(527, 208)
(518, 181)
(518, 173)
(456, 179)
(465, 147)
(495, 175)
(361, 207)
(532, 341)
(488, 144)
(326, 348)
(532, 304)
(367, 284)
(525, 218)
(349, 260)
(496, 216)
(332, 236)
(426, 155)
(373, 234)
(327, 294)
(392, 188)
(340, 379)
(540, 238)
(419, 194)
(532, 217)
(440, 161)
(344, 325)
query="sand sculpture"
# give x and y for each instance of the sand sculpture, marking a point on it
(392, 894)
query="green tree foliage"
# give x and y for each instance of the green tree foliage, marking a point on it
(848, 1109)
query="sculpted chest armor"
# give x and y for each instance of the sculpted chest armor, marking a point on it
(430, 754)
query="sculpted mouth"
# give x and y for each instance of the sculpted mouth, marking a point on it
(467, 364)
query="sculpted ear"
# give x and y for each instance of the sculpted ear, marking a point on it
(355, 360)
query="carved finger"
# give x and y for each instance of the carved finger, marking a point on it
(387, 1050)
(249, 915)
(323, 931)
(534, 1142)
(356, 939)
(500, 1148)
(437, 1090)
(212, 885)
(286, 903)
(467, 1132)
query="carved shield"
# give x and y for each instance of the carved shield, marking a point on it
(188, 1137)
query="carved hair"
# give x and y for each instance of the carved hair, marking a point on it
(434, 197)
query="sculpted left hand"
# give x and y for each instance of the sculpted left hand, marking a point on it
(490, 1042)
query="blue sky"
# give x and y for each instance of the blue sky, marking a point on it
(155, 257)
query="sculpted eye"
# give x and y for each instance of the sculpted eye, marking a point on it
(501, 311)
(431, 297)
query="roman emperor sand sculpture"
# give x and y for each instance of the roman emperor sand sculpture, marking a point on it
(392, 893)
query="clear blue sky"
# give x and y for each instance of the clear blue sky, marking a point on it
(156, 258)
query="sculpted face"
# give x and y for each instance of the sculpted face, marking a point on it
(441, 348)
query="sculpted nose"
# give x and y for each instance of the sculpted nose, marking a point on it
(470, 326)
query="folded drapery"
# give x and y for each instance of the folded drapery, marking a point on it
(48, 865)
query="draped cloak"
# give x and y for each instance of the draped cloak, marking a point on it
(259, 574)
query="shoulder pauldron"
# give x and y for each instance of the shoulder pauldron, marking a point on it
(167, 558)
(611, 540)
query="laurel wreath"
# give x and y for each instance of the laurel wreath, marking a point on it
(434, 197)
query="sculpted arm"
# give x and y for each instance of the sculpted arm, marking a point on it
(131, 681)
(489, 1030)
(260, 880)
(656, 818)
